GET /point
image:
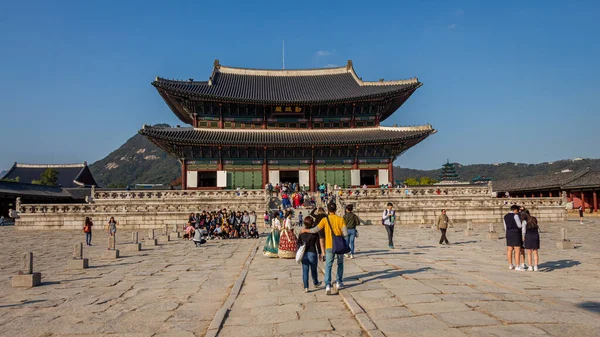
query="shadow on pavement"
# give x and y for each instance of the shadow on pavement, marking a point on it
(462, 242)
(21, 304)
(590, 306)
(559, 264)
(384, 274)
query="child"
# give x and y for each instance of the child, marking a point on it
(311, 252)
(300, 218)
(254, 231)
(532, 240)
(267, 219)
(581, 215)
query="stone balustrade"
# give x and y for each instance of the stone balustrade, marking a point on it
(418, 191)
(175, 194)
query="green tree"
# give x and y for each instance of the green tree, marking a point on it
(427, 181)
(47, 178)
(411, 182)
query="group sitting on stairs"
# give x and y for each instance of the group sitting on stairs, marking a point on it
(223, 224)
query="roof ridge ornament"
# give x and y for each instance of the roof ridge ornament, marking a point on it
(216, 64)
(349, 65)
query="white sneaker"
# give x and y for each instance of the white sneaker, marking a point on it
(530, 268)
(339, 285)
(519, 269)
(305, 290)
(511, 267)
(328, 290)
(523, 266)
(347, 255)
(351, 256)
(535, 268)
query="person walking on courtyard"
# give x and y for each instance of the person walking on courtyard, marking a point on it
(112, 226)
(581, 215)
(320, 214)
(442, 224)
(514, 239)
(87, 229)
(311, 252)
(351, 221)
(332, 225)
(272, 244)
(531, 232)
(267, 222)
(388, 219)
(2, 220)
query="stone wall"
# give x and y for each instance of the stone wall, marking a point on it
(155, 208)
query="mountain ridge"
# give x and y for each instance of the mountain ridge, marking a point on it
(139, 161)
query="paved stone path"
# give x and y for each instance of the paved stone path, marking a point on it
(419, 289)
(173, 289)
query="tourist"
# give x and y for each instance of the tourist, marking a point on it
(351, 222)
(332, 225)
(320, 214)
(191, 220)
(514, 239)
(442, 224)
(87, 229)
(272, 243)
(246, 218)
(198, 237)
(2, 220)
(266, 219)
(388, 219)
(254, 231)
(531, 232)
(581, 214)
(311, 252)
(288, 245)
(251, 218)
(189, 231)
(112, 226)
(300, 218)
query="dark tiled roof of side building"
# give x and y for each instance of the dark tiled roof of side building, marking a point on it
(69, 175)
(287, 86)
(278, 137)
(539, 182)
(589, 179)
(15, 189)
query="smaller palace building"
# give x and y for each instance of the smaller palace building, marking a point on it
(250, 127)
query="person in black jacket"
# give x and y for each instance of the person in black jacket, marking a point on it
(312, 250)
(318, 217)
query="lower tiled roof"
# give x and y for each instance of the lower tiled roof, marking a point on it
(287, 137)
(541, 182)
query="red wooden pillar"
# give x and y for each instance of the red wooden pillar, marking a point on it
(312, 176)
(582, 201)
(541, 194)
(355, 164)
(265, 173)
(195, 115)
(595, 202)
(183, 175)
(391, 172)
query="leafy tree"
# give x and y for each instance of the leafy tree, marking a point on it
(427, 181)
(411, 182)
(47, 178)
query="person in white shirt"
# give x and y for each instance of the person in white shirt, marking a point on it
(388, 219)
(514, 238)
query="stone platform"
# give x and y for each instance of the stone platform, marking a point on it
(419, 289)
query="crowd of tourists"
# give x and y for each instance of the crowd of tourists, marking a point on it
(222, 224)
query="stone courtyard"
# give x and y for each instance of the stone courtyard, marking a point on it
(227, 288)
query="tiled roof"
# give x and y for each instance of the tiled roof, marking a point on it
(286, 137)
(69, 175)
(589, 179)
(286, 86)
(539, 182)
(29, 190)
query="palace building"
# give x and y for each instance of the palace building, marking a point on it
(254, 126)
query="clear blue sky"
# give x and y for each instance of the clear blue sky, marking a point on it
(503, 81)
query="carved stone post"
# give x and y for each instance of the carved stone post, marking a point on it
(492, 234)
(135, 245)
(564, 242)
(469, 230)
(26, 277)
(111, 253)
(151, 241)
(78, 262)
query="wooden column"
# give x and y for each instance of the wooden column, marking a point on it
(195, 117)
(595, 201)
(220, 160)
(391, 172)
(355, 164)
(541, 194)
(582, 201)
(221, 124)
(265, 173)
(312, 173)
(550, 194)
(183, 175)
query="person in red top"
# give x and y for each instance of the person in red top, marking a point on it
(87, 229)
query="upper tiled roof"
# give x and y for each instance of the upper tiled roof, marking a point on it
(69, 175)
(276, 137)
(589, 179)
(539, 182)
(286, 86)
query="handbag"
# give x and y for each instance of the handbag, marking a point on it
(300, 253)
(340, 246)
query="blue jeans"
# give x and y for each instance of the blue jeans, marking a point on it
(329, 256)
(88, 238)
(309, 260)
(350, 239)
